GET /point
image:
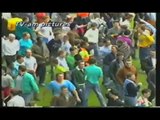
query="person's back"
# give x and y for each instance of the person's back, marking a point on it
(28, 84)
(93, 73)
(16, 101)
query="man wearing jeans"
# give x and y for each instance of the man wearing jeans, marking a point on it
(93, 75)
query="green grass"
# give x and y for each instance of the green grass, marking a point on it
(45, 95)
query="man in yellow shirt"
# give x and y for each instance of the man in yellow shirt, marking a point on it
(145, 41)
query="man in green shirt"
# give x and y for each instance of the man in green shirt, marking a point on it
(29, 85)
(93, 75)
(78, 79)
(71, 58)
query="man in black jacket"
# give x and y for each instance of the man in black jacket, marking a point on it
(150, 62)
(106, 62)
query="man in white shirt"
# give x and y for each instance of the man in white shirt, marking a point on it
(45, 30)
(30, 62)
(16, 100)
(93, 36)
(10, 48)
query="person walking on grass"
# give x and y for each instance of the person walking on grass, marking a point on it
(93, 76)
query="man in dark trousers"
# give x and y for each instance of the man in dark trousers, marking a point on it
(78, 79)
(151, 79)
(150, 61)
(41, 53)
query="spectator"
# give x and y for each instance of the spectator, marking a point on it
(71, 61)
(41, 53)
(30, 63)
(151, 79)
(145, 42)
(66, 45)
(62, 59)
(143, 100)
(25, 43)
(44, 30)
(54, 45)
(106, 48)
(83, 51)
(56, 69)
(124, 48)
(93, 76)
(29, 85)
(128, 68)
(65, 99)
(16, 64)
(114, 99)
(16, 100)
(10, 48)
(55, 87)
(25, 26)
(107, 61)
(93, 36)
(78, 79)
(130, 90)
(7, 82)
(150, 61)
(115, 66)
(73, 33)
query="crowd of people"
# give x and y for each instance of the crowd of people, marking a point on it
(81, 50)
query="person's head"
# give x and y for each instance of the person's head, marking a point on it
(64, 90)
(20, 59)
(62, 53)
(131, 76)
(129, 16)
(46, 19)
(92, 61)
(114, 49)
(153, 53)
(81, 64)
(39, 40)
(120, 56)
(26, 36)
(84, 44)
(22, 69)
(60, 77)
(74, 50)
(116, 24)
(65, 38)
(73, 26)
(28, 53)
(11, 37)
(146, 93)
(93, 26)
(26, 19)
(54, 61)
(128, 62)
(107, 42)
(127, 32)
(57, 35)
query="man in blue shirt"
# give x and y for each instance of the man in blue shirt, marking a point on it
(93, 75)
(55, 86)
